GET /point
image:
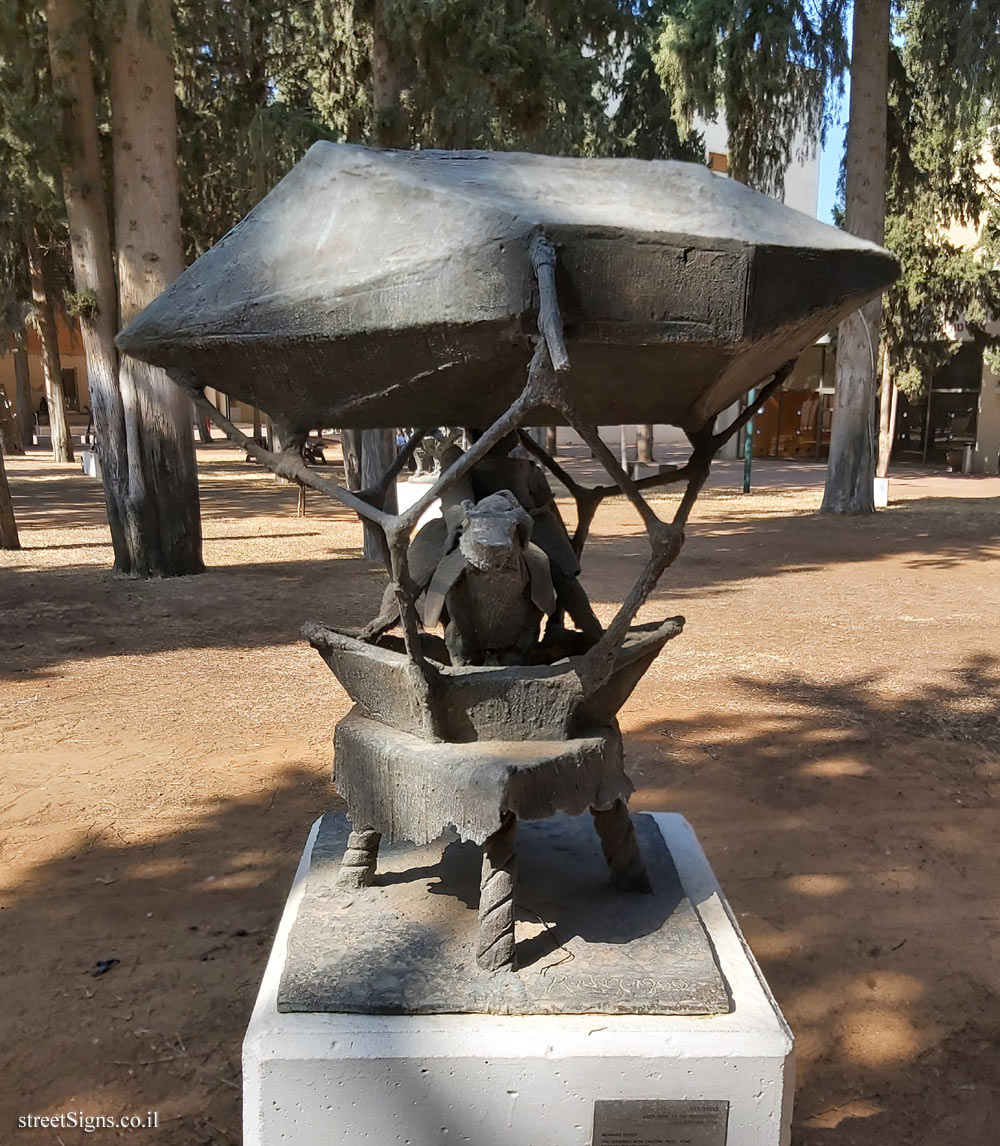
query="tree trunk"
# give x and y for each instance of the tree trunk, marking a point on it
(378, 451)
(390, 125)
(163, 478)
(644, 443)
(8, 526)
(377, 448)
(11, 441)
(203, 424)
(351, 447)
(256, 425)
(889, 397)
(850, 473)
(367, 455)
(93, 266)
(48, 334)
(22, 397)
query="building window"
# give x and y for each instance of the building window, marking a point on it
(718, 161)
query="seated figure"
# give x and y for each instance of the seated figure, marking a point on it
(497, 562)
(527, 482)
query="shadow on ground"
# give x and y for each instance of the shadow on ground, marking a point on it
(827, 810)
(51, 496)
(253, 605)
(183, 922)
(856, 834)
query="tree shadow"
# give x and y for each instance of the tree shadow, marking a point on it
(215, 537)
(68, 613)
(77, 611)
(731, 545)
(61, 496)
(855, 834)
(182, 923)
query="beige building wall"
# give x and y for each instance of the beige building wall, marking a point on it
(7, 379)
(36, 376)
(801, 178)
(71, 357)
(236, 411)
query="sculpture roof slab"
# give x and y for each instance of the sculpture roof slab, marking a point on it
(374, 288)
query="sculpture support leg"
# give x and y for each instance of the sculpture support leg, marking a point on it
(495, 944)
(357, 868)
(621, 848)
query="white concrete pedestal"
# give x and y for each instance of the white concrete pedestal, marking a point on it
(554, 1080)
(409, 492)
(90, 463)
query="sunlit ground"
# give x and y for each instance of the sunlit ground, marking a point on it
(829, 722)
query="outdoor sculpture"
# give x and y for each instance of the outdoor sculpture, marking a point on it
(493, 587)
(490, 290)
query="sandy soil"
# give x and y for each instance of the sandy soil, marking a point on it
(828, 722)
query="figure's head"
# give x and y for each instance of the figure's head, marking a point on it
(495, 531)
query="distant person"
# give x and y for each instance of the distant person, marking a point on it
(401, 440)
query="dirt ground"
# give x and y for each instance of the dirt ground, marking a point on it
(829, 722)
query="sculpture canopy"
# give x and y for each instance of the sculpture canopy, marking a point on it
(385, 288)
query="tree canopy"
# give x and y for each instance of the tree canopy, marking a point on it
(766, 65)
(943, 187)
(259, 82)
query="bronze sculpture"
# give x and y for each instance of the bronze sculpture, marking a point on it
(499, 291)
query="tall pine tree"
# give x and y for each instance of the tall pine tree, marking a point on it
(159, 417)
(851, 467)
(32, 222)
(766, 65)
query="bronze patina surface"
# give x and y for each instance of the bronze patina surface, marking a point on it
(494, 291)
(406, 945)
(395, 288)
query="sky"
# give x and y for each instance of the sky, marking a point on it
(833, 150)
(829, 163)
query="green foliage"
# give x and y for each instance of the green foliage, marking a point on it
(30, 185)
(765, 64)
(260, 81)
(643, 124)
(245, 112)
(941, 179)
(28, 119)
(80, 303)
(527, 74)
(953, 52)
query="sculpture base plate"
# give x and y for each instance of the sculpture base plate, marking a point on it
(314, 1078)
(407, 944)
